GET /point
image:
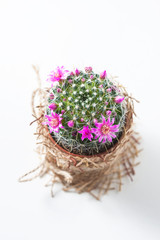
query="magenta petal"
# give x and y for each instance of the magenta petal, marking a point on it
(46, 116)
(109, 138)
(115, 130)
(113, 135)
(115, 127)
(93, 130)
(113, 121)
(103, 118)
(108, 120)
(99, 125)
(83, 138)
(100, 139)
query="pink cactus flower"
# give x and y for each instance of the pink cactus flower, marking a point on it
(106, 103)
(54, 121)
(109, 90)
(63, 111)
(103, 75)
(71, 123)
(105, 130)
(91, 77)
(64, 99)
(51, 96)
(53, 106)
(108, 113)
(77, 72)
(58, 75)
(88, 69)
(82, 119)
(70, 81)
(101, 86)
(86, 133)
(59, 90)
(119, 99)
(83, 80)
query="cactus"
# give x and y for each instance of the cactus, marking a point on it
(85, 112)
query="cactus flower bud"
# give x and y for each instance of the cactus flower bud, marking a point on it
(51, 96)
(63, 111)
(109, 90)
(119, 99)
(71, 73)
(53, 106)
(88, 69)
(77, 72)
(108, 113)
(71, 123)
(103, 75)
(70, 81)
(59, 90)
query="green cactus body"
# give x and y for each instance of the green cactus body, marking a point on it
(82, 98)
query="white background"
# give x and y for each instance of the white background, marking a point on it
(122, 37)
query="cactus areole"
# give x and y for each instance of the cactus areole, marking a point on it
(85, 112)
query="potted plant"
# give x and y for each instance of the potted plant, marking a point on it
(85, 126)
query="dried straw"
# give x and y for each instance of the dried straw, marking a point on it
(101, 172)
